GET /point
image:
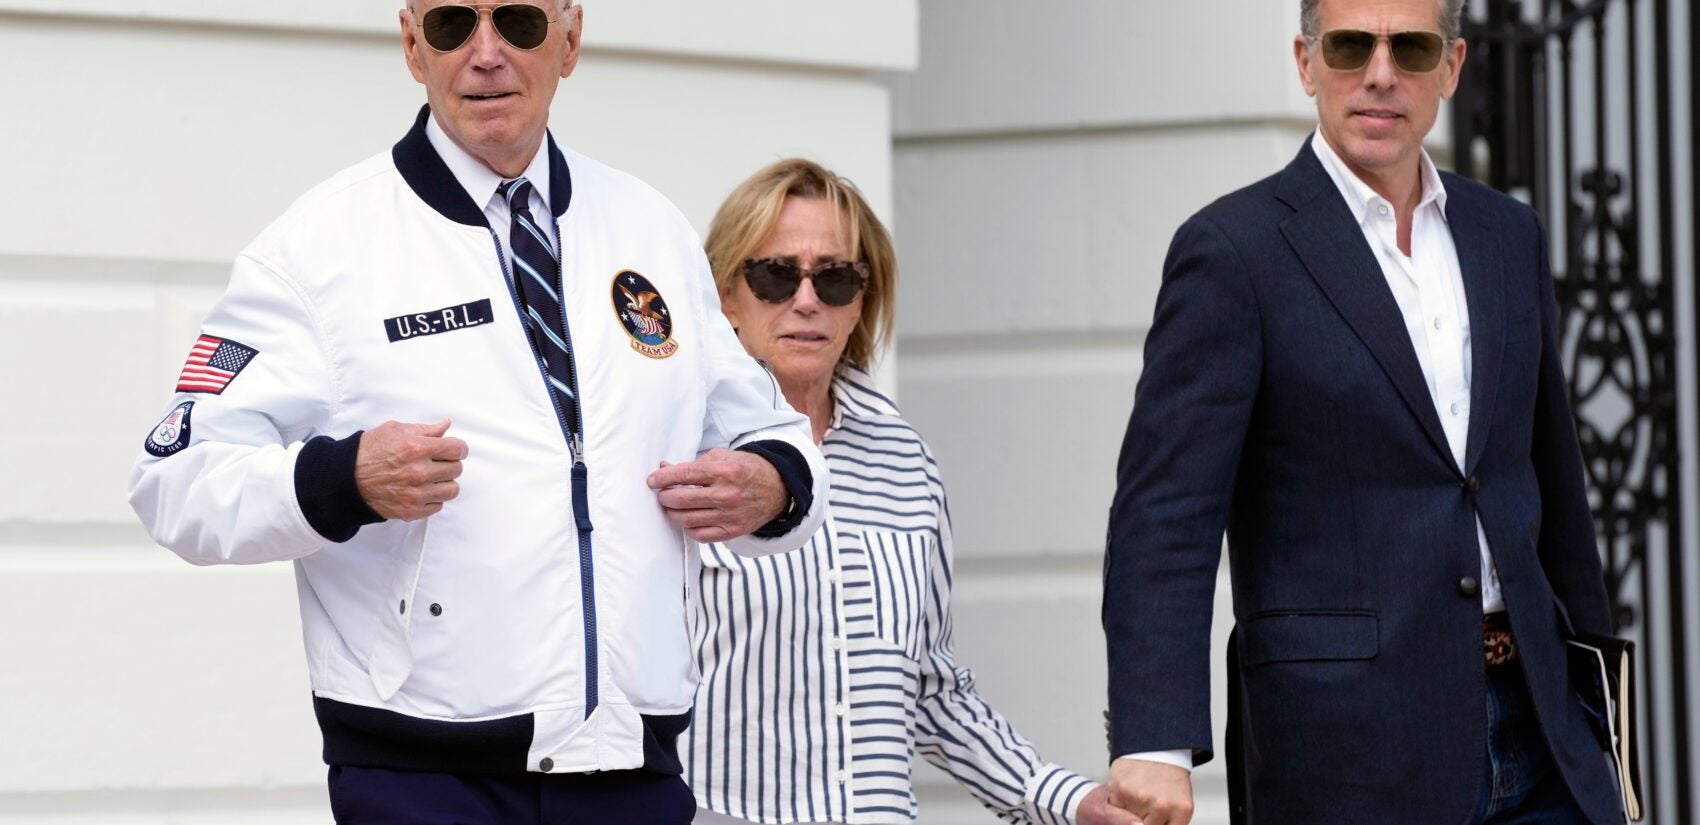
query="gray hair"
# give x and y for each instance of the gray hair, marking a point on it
(1451, 19)
(567, 4)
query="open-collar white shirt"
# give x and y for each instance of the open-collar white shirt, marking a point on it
(1428, 285)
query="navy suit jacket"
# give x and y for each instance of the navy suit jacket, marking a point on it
(1282, 401)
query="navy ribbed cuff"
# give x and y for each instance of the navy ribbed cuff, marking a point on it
(326, 490)
(799, 482)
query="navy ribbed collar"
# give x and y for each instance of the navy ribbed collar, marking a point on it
(430, 178)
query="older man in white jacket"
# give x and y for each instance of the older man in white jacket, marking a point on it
(478, 388)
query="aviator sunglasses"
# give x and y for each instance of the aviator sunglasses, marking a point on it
(1349, 50)
(523, 25)
(775, 280)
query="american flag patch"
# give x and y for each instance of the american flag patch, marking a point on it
(213, 363)
(646, 325)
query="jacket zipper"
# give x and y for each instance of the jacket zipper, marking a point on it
(573, 430)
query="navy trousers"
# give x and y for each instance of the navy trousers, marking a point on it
(374, 796)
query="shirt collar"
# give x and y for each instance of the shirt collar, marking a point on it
(840, 397)
(1360, 198)
(478, 180)
(854, 397)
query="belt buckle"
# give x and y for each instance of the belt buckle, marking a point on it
(1498, 645)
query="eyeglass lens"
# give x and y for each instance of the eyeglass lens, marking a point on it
(835, 283)
(524, 26)
(1348, 50)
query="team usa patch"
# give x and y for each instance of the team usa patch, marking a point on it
(213, 363)
(172, 434)
(643, 313)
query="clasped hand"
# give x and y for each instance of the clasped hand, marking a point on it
(1155, 793)
(720, 496)
(408, 471)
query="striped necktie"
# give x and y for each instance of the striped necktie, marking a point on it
(537, 278)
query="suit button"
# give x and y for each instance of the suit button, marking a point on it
(436, 610)
(546, 765)
(1468, 586)
(1473, 484)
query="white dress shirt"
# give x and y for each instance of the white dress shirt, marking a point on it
(1428, 285)
(480, 182)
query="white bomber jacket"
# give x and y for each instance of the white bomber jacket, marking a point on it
(538, 622)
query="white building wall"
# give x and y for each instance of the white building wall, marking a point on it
(147, 141)
(1044, 156)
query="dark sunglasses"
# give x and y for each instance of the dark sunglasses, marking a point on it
(1349, 50)
(523, 25)
(775, 280)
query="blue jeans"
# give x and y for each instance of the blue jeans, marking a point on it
(1523, 786)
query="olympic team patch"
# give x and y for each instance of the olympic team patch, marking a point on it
(643, 313)
(172, 434)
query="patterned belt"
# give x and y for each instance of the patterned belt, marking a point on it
(1498, 645)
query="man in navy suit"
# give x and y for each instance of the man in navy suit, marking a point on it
(1354, 369)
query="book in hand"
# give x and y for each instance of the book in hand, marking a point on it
(1603, 668)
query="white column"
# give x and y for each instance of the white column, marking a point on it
(1045, 154)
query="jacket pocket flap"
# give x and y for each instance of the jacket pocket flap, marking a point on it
(1309, 637)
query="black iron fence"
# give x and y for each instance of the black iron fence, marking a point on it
(1574, 107)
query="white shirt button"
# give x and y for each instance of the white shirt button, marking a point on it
(840, 709)
(842, 777)
(1455, 408)
(1382, 209)
(837, 643)
(1437, 323)
(834, 575)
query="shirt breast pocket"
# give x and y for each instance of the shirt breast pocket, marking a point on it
(899, 573)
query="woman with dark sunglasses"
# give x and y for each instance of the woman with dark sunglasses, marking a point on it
(825, 670)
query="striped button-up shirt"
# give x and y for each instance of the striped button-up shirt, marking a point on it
(824, 669)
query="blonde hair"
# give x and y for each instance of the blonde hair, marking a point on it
(752, 210)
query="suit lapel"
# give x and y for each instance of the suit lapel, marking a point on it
(1484, 287)
(1332, 247)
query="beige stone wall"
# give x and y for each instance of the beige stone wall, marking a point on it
(147, 142)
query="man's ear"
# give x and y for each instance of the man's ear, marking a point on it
(410, 42)
(573, 15)
(1454, 65)
(1301, 57)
